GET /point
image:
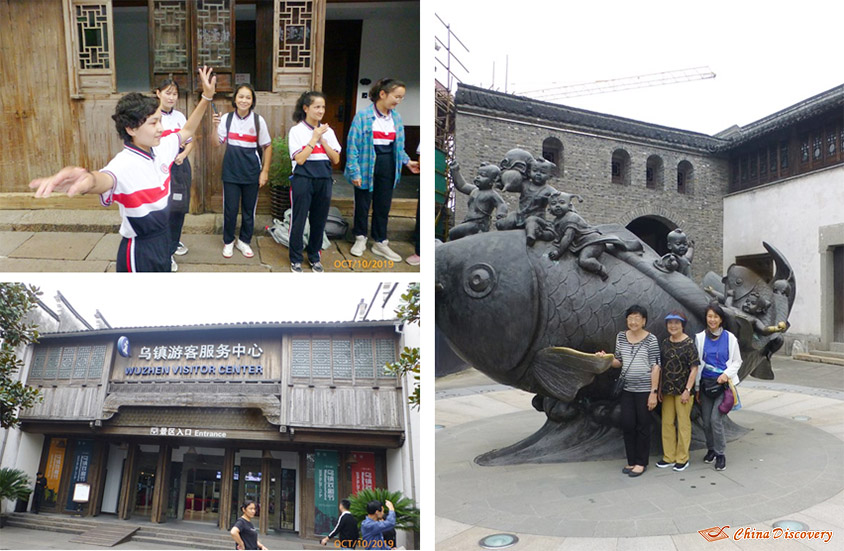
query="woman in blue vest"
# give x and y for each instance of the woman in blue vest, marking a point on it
(720, 360)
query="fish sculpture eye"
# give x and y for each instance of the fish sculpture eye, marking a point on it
(480, 280)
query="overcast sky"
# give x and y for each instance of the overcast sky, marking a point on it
(150, 299)
(766, 55)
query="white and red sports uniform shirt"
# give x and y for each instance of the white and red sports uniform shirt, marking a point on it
(142, 186)
(173, 121)
(318, 164)
(383, 129)
(242, 161)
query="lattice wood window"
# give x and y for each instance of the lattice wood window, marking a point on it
(68, 362)
(338, 357)
(90, 45)
(298, 39)
(169, 36)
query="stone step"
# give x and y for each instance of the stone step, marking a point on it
(402, 219)
(829, 354)
(106, 535)
(836, 347)
(185, 541)
(817, 358)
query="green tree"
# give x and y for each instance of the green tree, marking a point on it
(408, 312)
(14, 484)
(407, 516)
(16, 300)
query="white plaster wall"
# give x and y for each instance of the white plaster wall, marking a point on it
(403, 464)
(788, 215)
(390, 48)
(28, 458)
(114, 470)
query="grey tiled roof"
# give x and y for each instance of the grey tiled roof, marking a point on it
(469, 96)
(806, 109)
(473, 96)
(286, 325)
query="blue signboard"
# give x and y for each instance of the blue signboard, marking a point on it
(84, 449)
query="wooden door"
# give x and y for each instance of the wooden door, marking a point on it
(341, 63)
(184, 35)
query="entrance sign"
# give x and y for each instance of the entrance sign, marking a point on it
(326, 465)
(179, 431)
(81, 492)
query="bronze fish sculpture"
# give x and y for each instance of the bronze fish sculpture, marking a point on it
(513, 313)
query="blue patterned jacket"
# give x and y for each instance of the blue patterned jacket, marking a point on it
(360, 151)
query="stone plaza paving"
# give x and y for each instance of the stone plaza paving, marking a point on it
(790, 466)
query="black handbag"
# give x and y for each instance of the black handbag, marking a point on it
(711, 387)
(618, 384)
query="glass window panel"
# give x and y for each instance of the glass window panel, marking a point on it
(342, 357)
(301, 357)
(66, 365)
(321, 358)
(83, 359)
(38, 363)
(363, 359)
(52, 367)
(95, 369)
(385, 350)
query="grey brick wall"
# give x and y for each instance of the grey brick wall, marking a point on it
(484, 136)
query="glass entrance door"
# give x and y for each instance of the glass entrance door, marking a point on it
(287, 509)
(202, 474)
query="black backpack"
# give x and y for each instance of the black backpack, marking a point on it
(257, 125)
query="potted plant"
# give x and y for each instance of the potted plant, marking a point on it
(279, 177)
(14, 485)
(407, 516)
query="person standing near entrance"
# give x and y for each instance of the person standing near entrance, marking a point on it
(246, 167)
(172, 121)
(375, 156)
(38, 494)
(373, 526)
(245, 535)
(346, 530)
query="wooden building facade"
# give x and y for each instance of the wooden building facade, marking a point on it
(186, 423)
(66, 63)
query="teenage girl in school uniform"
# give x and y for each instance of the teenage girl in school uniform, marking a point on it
(172, 121)
(374, 159)
(246, 166)
(137, 178)
(313, 149)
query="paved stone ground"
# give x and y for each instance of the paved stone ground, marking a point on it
(83, 250)
(785, 468)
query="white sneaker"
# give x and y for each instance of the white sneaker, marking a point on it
(181, 249)
(382, 249)
(359, 246)
(228, 249)
(244, 248)
(173, 266)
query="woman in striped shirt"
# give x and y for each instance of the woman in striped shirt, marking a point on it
(637, 351)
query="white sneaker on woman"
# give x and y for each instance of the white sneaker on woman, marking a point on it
(244, 248)
(228, 249)
(359, 246)
(381, 248)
